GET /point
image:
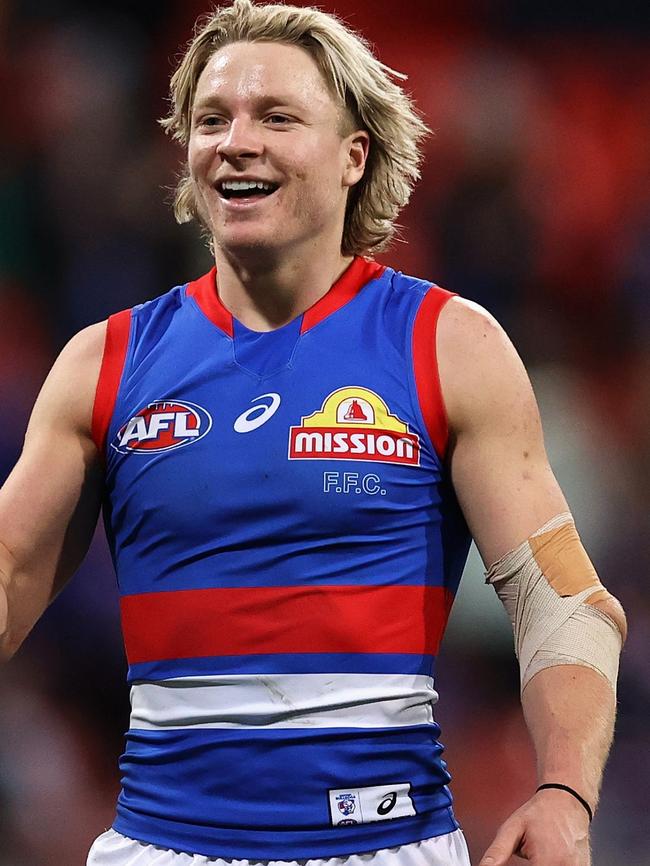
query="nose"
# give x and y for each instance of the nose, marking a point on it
(242, 141)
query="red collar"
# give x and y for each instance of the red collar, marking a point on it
(360, 272)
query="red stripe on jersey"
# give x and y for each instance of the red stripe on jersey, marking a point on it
(349, 284)
(204, 291)
(267, 620)
(118, 328)
(425, 367)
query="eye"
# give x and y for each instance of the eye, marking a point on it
(278, 119)
(211, 121)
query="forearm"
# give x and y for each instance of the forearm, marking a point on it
(6, 567)
(570, 713)
(5, 652)
(4, 608)
(26, 589)
(48, 512)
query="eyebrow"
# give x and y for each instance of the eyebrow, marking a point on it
(262, 102)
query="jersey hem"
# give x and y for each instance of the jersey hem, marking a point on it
(250, 844)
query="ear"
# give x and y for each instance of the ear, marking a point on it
(357, 145)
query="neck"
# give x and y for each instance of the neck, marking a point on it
(265, 292)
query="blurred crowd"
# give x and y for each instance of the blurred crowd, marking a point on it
(534, 201)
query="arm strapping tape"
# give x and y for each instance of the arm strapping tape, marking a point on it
(544, 584)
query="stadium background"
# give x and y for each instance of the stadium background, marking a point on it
(534, 201)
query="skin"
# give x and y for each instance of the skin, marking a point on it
(50, 503)
(263, 111)
(507, 490)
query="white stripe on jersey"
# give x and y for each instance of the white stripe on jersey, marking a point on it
(284, 701)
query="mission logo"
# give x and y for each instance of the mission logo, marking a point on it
(162, 426)
(354, 424)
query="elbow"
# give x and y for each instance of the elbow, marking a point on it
(7, 646)
(4, 622)
(612, 608)
(6, 652)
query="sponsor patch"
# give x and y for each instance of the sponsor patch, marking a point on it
(354, 424)
(375, 803)
(162, 426)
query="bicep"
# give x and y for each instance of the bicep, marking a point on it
(499, 466)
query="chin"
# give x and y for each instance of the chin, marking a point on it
(245, 243)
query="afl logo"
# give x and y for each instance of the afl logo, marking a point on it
(162, 426)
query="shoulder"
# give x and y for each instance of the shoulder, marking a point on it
(468, 334)
(67, 397)
(81, 357)
(86, 346)
(480, 370)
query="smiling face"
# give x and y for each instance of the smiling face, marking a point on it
(270, 166)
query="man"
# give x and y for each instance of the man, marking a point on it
(282, 447)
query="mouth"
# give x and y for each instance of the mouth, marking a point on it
(245, 190)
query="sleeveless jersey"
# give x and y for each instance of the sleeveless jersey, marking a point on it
(287, 547)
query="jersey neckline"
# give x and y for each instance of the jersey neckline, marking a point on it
(360, 272)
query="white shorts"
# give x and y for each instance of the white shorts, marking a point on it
(113, 849)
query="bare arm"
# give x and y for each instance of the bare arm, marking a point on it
(507, 491)
(499, 465)
(50, 502)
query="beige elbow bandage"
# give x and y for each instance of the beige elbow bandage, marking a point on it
(544, 585)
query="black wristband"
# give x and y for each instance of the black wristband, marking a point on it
(573, 794)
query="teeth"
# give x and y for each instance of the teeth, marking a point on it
(236, 185)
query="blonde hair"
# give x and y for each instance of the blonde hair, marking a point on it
(364, 85)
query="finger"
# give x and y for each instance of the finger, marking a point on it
(505, 844)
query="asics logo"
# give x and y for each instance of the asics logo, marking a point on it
(254, 417)
(387, 804)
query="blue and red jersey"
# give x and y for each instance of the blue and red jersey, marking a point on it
(287, 547)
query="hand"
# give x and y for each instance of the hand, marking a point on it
(551, 829)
